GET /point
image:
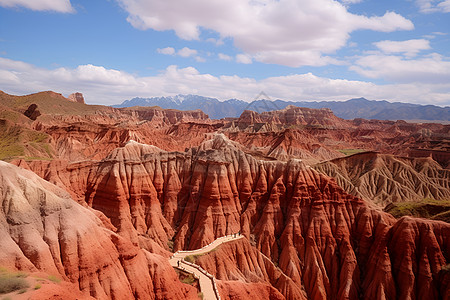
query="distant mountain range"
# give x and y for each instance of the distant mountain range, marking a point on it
(350, 109)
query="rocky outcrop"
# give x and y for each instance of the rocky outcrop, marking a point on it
(292, 116)
(76, 97)
(42, 229)
(32, 112)
(167, 116)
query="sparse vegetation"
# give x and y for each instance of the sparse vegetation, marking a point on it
(190, 258)
(189, 279)
(446, 269)
(12, 281)
(427, 208)
(200, 295)
(186, 278)
(351, 151)
(193, 258)
(170, 245)
(54, 279)
(18, 141)
(37, 286)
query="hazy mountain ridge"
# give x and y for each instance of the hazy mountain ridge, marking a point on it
(214, 108)
(350, 109)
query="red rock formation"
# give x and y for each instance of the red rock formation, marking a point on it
(284, 145)
(32, 112)
(94, 136)
(239, 261)
(235, 290)
(80, 131)
(167, 116)
(293, 115)
(324, 240)
(42, 229)
(76, 97)
(332, 133)
(327, 243)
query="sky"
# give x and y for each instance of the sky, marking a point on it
(298, 50)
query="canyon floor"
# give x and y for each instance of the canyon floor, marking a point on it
(114, 203)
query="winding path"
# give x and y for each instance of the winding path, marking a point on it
(207, 281)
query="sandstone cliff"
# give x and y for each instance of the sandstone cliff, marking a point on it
(327, 243)
(42, 229)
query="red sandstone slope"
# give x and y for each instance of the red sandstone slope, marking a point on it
(327, 243)
(324, 240)
(94, 136)
(284, 145)
(318, 135)
(42, 229)
(291, 116)
(239, 261)
(75, 131)
(383, 179)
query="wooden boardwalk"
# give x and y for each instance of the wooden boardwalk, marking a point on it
(207, 281)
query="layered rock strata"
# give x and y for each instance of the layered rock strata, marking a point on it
(42, 229)
(327, 243)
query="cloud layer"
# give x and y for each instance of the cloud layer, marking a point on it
(431, 6)
(410, 47)
(432, 69)
(62, 6)
(108, 86)
(287, 32)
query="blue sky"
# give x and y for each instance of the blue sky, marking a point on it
(113, 50)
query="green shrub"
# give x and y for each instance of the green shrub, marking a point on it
(54, 279)
(188, 279)
(190, 258)
(170, 245)
(12, 282)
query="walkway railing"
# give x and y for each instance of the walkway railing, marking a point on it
(183, 253)
(234, 235)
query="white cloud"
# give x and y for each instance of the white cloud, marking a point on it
(224, 57)
(200, 59)
(431, 69)
(217, 42)
(186, 52)
(166, 51)
(410, 47)
(444, 6)
(288, 32)
(431, 6)
(108, 86)
(243, 59)
(62, 6)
